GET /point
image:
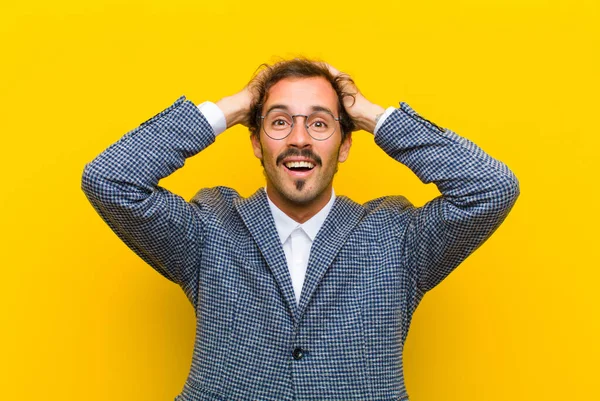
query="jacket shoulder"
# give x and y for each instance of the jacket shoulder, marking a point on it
(388, 214)
(387, 204)
(217, 200)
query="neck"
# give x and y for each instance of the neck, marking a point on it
(299, 211)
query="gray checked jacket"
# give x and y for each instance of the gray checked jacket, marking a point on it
(369, 266)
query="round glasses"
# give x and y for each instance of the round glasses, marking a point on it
(278, 124)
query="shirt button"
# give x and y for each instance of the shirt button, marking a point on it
(298, 353)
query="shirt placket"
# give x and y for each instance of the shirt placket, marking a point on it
(298, 265)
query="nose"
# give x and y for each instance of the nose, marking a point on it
(299, 137)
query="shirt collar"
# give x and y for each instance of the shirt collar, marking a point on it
(285, 224)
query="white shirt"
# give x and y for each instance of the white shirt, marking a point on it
(296, 239)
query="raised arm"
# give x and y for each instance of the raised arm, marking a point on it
(122, 185)
(477, 191)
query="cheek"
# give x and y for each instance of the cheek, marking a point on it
(332, 154)
(262, 148)
(269, 154)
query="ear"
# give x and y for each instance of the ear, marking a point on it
(256, 146)
(345, 148)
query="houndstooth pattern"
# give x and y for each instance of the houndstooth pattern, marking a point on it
(369, 267)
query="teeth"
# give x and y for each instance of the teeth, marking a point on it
(299, 164)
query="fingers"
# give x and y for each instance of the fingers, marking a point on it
(346, 82)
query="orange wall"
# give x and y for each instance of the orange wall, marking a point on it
(83, 318)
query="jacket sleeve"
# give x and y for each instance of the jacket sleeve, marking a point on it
(477, 193)
(122, 186)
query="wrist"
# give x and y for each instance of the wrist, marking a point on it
(367, 120)
(235, 108)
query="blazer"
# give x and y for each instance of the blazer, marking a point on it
(369, 265)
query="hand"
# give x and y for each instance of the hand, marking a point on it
(362, 111)
(237, 107)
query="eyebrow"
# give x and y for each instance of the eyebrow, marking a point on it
(286, 108)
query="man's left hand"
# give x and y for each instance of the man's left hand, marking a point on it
(363, 112)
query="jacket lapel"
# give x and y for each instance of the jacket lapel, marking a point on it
(257, 217)
(343, 217)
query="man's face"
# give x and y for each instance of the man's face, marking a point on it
(301, 186)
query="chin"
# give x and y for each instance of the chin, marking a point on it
(288, 190)
(299, 197)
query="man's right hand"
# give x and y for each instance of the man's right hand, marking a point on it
(237, 107)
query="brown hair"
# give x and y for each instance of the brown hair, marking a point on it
(268, 75)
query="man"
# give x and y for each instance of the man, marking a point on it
(299, 294)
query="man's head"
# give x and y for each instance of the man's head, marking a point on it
(269, 75)
(299, 167)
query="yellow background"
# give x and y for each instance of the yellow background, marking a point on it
(83, 318)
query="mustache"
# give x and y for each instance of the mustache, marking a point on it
(308, 153)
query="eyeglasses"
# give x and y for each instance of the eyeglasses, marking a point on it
(278, 124)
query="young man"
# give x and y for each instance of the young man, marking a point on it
(299, 294)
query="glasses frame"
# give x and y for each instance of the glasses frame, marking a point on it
(306, 117)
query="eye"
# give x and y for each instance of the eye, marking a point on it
(319, 125)
(279, 123)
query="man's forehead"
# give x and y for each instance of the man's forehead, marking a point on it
(309, 93)
(312, 108)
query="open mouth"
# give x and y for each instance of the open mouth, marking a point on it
(299, 166)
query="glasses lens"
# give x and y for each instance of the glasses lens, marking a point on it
(277, 124)
(321, 124)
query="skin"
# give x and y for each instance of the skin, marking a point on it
(301, 195)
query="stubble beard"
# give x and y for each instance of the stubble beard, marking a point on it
(299, 184)
(296, 195)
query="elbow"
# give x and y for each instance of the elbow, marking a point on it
(106, 188)
(511, 190)
(492, 204)
(504, 196)
(88, 178)
(93, 184)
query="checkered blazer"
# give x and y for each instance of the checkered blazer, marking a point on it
(369, 266)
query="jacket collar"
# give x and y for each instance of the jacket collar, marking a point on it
(257, 217)
(342, 218)
(285, 224)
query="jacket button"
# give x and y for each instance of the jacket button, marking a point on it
(298, 353)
